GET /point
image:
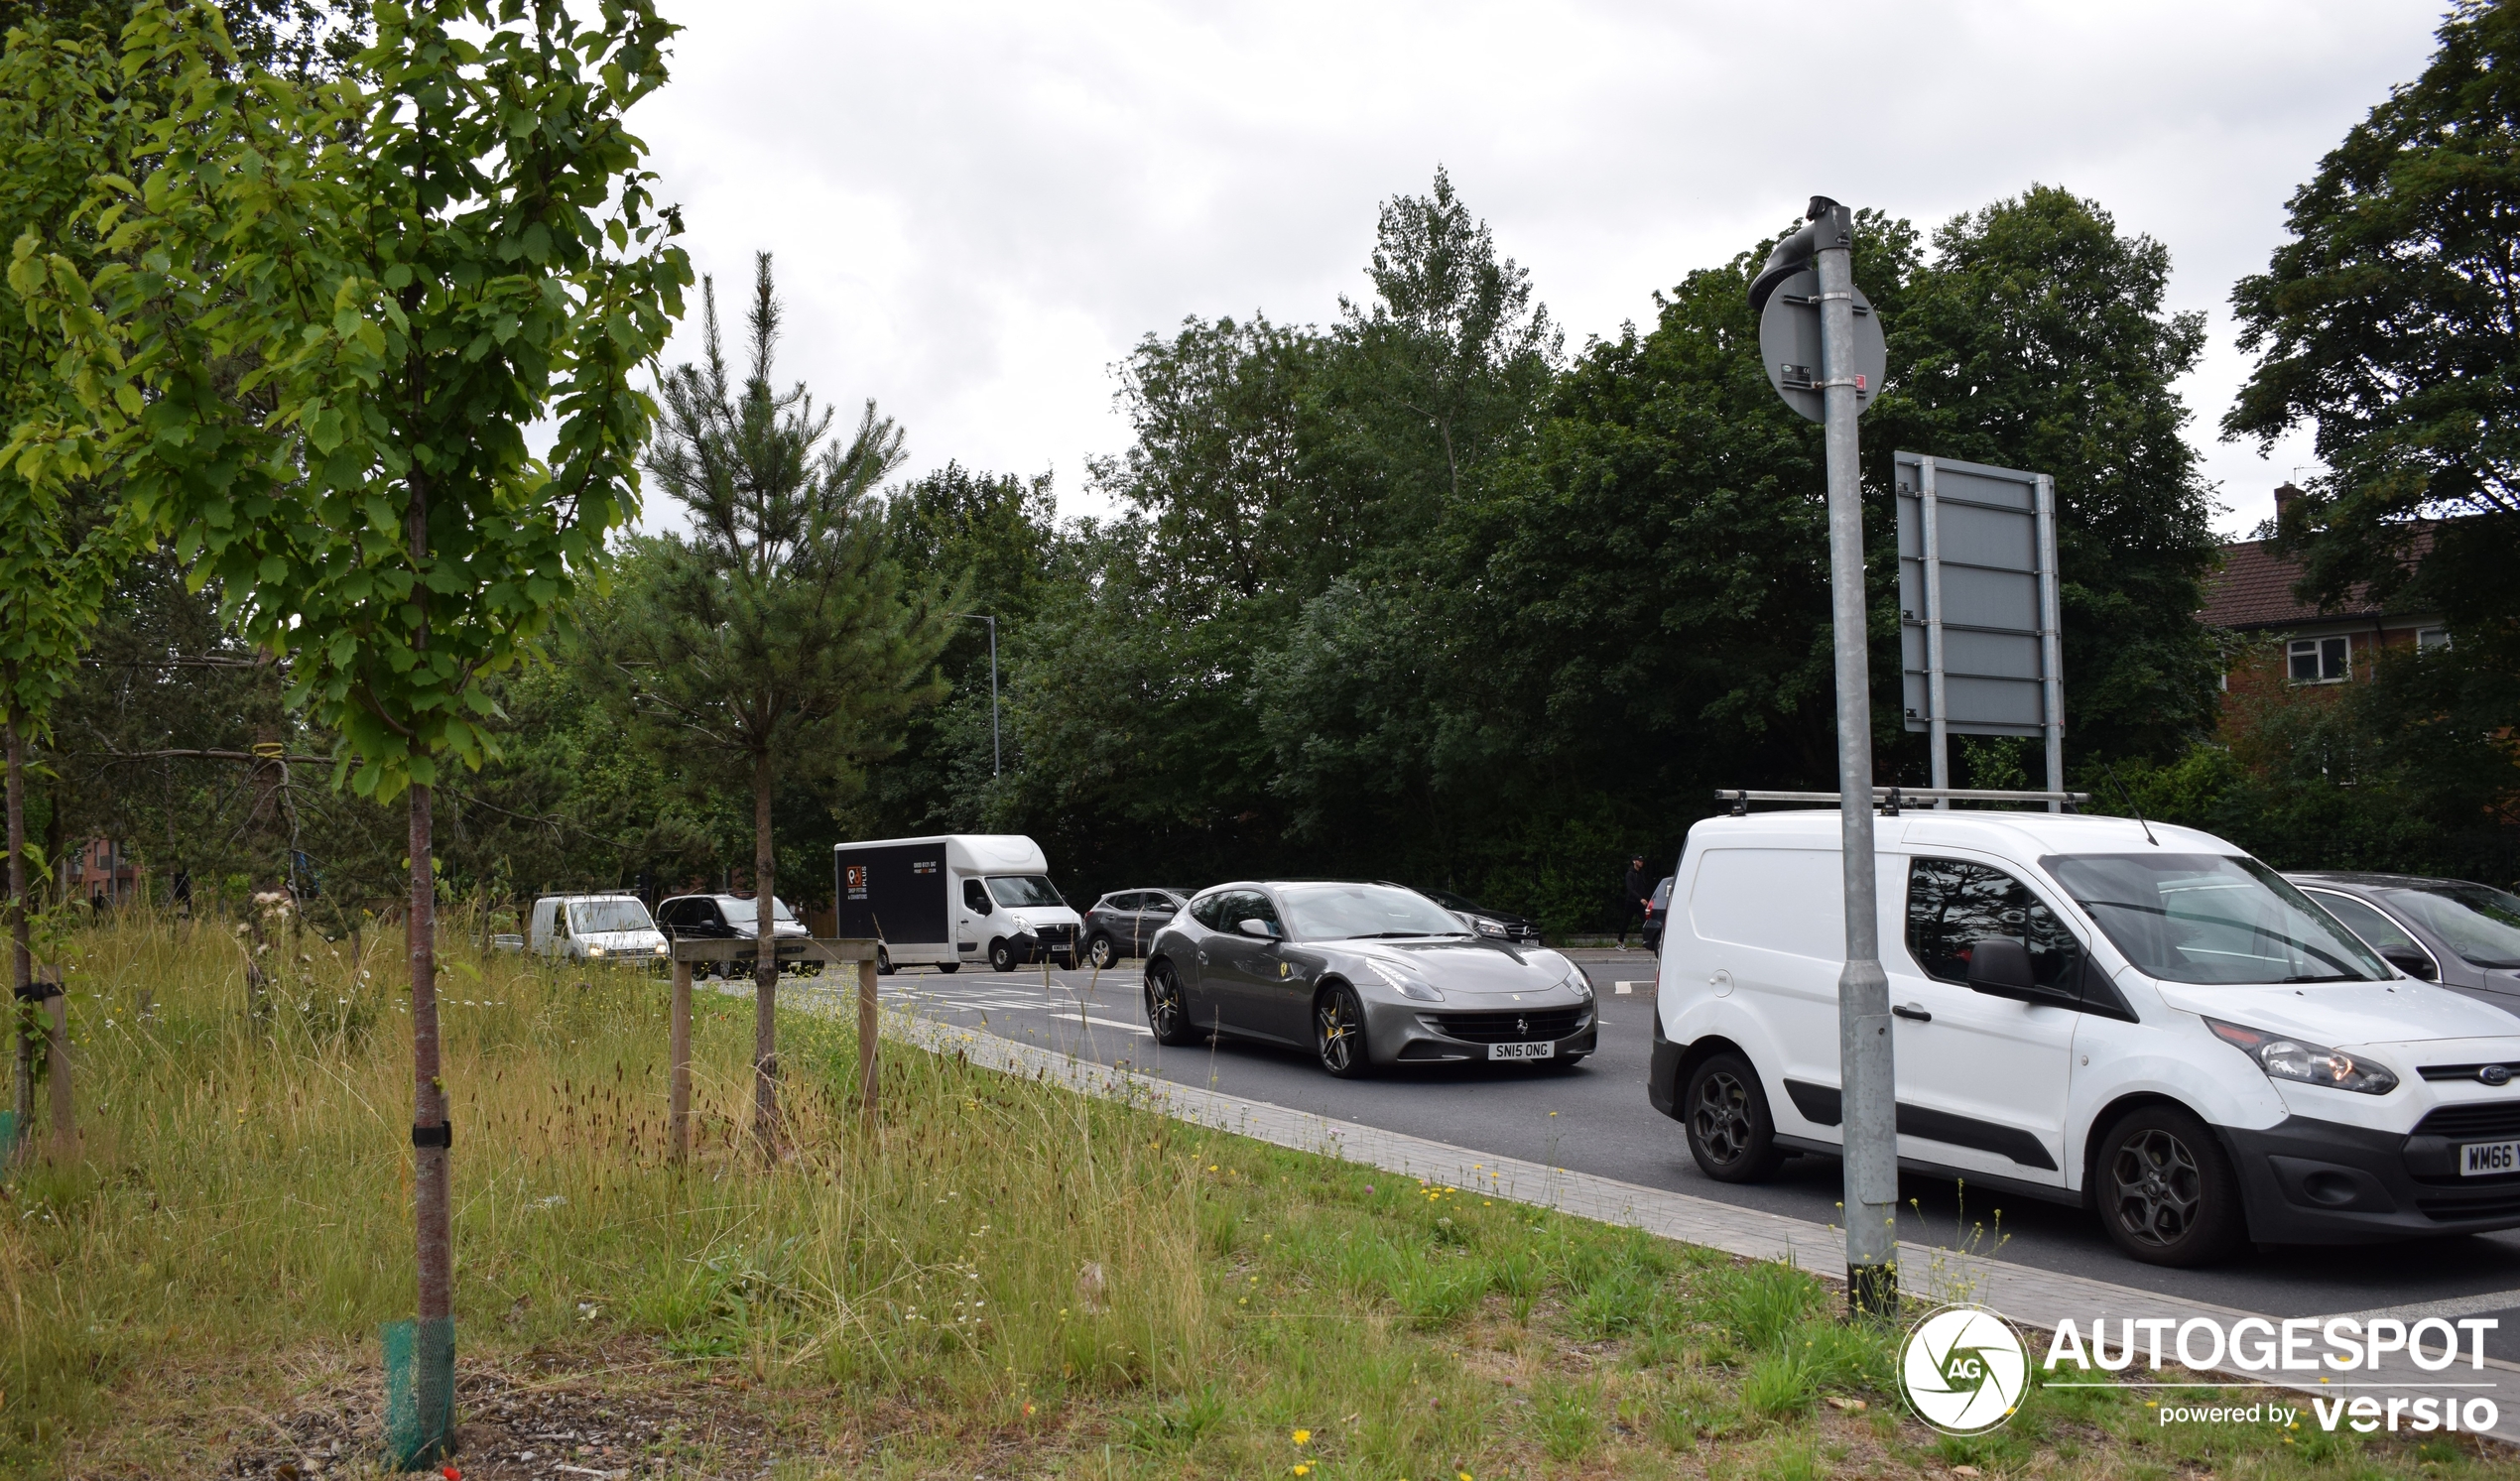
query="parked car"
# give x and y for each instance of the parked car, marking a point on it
(953, 898)
(1502, 926)
(738, 917)
(2140, 1020)
(2465, 937)
(1656, 909)
(1123, 923)
(1361, 975)
(593, 927)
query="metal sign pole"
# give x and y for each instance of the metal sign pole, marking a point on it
(1938, 711)
(1863, 989)
(2053, 687)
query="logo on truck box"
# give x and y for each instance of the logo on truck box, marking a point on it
(854, 877)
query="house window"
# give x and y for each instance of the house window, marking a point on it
(2428, 638)
(2320, 660)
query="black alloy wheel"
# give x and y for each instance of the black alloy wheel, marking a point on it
(1001, 956)
(2168, 1195)
(1167, 1009)
(1730, 1133)
(1101, 951)
(1339, 1032)
(883, 963)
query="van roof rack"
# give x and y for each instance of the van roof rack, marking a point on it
(1891, 798)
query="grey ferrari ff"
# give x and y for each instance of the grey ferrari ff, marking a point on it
(1362, 975)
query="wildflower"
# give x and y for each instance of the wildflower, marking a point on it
(1304, 1436)
(1303, 1470)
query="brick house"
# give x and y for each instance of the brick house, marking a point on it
(2251, 597)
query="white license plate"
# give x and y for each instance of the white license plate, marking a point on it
(2488, 1159)
(1522, 1051)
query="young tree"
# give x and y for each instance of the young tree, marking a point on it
(2388, 323)
(69, 114)
(776, 638)
(410, 266)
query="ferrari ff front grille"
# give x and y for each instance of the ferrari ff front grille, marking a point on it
(1511, 1027)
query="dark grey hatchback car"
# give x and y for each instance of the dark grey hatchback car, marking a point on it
(1123, 923)
(1361, 975)
(2463, 936)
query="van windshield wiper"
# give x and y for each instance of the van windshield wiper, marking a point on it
(2332, 977)
(1410, 935)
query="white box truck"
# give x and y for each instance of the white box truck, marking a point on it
(952, 899)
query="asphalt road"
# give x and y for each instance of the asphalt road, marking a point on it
(1596, 1119)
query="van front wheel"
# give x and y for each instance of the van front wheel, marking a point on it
(2167, 1194)
(1730, 1133)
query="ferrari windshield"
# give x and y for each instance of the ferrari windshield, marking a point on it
(2208, 919)
(594, 916)
(2481, 922)
(1337, 912)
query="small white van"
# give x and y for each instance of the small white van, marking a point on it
(2139, 1019)
(952, 899)
(594, 927)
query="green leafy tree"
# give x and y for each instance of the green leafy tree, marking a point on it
(411, 265)
(777, 642)
(2037, 337)
(2388, 323)
(69, 115)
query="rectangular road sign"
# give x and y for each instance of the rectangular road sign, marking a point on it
(1977, 605)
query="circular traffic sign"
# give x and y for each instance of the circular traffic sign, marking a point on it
(1789, 341)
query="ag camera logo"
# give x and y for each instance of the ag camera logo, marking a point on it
(1964, 1368)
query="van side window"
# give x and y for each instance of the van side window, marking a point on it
(976, 897)
(1954, 905)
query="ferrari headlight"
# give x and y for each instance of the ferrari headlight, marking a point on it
(1578, 984)
(2284, 1057)
(1408, 986)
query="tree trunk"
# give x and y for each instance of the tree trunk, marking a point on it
(431, 1212)
(20, 943)
(765, 971)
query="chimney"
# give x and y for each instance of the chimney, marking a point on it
(2285, 494)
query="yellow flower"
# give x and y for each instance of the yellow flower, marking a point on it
(1303, 1470)
(1304, 1436)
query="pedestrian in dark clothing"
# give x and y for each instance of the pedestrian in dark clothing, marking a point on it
(1636, 891)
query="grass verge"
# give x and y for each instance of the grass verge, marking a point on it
(1008, 1279)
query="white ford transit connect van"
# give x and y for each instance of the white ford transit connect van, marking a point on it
(2145, 1022)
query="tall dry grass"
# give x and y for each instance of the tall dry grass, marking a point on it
(246, 1187)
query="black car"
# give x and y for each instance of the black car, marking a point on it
(1495, 925)
(2463, 936)
(1655, 910)
(733, 918)
(1123, 923)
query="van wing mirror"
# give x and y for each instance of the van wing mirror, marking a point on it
(1258, 927)
(2000, 969)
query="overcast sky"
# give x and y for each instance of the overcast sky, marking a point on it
(978, 207)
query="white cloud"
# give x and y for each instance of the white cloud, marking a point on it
(977, 208)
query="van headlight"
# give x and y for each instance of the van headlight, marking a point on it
(594, 951)
(2285, 1058)
(661, 949)
(1409, 986)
